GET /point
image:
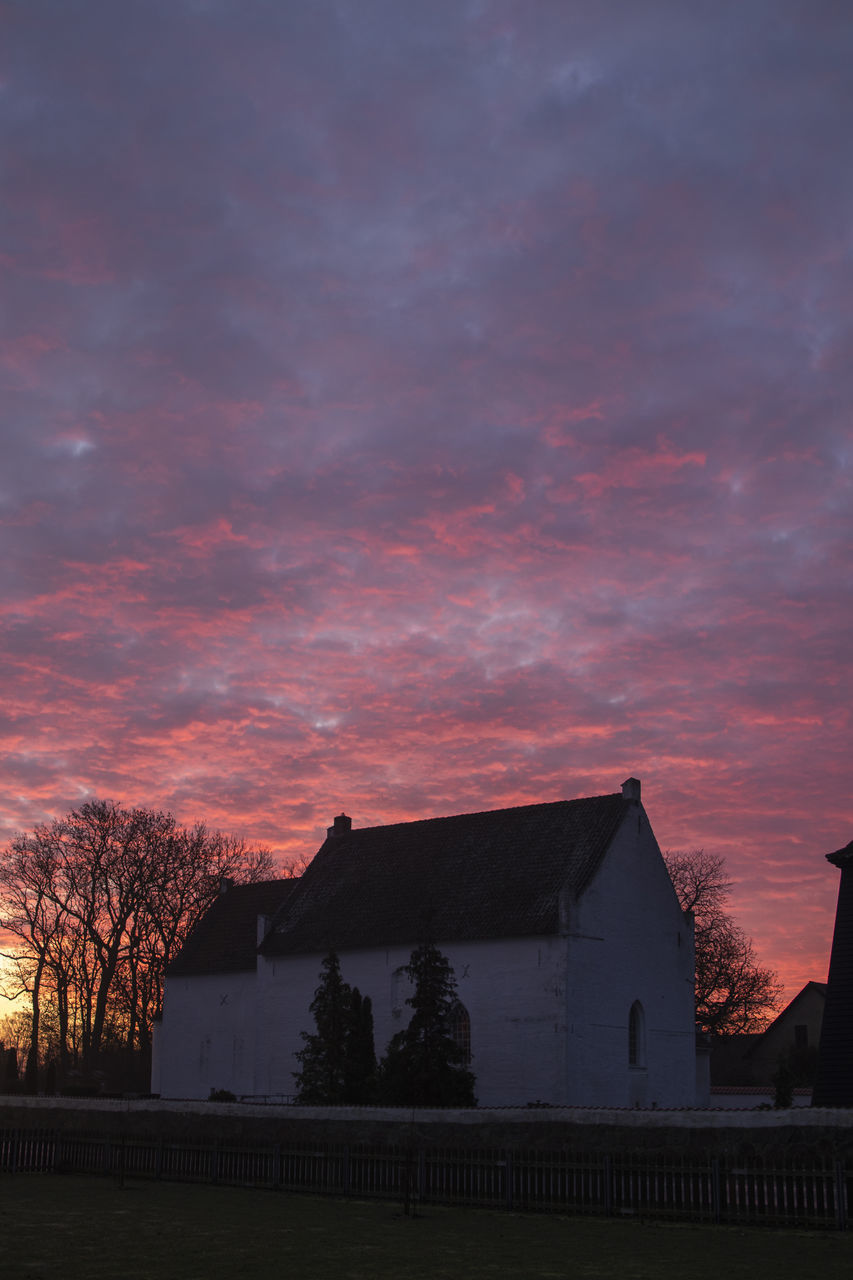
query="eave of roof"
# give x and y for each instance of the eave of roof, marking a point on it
(842, 857)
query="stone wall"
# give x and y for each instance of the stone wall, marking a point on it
(797, 1134)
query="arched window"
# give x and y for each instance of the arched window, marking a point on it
(460, 1028)
(636, 1036)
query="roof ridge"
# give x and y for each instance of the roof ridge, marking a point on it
(482, 813)
(261, 884)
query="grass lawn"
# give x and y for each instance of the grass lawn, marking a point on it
(91, 1228)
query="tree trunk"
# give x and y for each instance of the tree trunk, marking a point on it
(31, 1072)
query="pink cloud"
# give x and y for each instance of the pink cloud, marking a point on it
(432, 413)
(638, 469)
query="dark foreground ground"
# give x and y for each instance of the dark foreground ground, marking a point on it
(68, 1227)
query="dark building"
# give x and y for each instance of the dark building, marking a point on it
(834, 1084)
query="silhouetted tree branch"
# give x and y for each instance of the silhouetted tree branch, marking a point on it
(734, 993)
(98, 903)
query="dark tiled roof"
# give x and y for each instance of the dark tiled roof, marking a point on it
(225, 940)
(477, 875)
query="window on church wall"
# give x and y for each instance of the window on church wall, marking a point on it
(636, 1036)
(460, 1029)
(401, 989)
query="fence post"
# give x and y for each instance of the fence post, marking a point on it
(715, 1188)
(421, 1173)
(840, 1197)
(509, 1178)
(408, 1163)
(608, 1185)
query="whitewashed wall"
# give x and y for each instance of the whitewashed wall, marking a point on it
(206, 1039)
(513, 990)
(629, 940)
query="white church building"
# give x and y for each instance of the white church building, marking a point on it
(572, 957)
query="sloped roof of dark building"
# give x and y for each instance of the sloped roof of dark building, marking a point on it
(842, 857)
(476, 875)
(225, 940)
(790, 1011)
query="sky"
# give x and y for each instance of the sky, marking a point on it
(413, 409)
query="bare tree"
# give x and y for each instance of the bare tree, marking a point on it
(734, 993)
(98, 903)
(33, 913)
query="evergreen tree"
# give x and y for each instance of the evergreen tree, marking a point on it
(783, 1085)
(338, 1061)
(322, 1080)
(424, 1066)
(360, 1067)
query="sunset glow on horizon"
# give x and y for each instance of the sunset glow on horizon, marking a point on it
(413, 410)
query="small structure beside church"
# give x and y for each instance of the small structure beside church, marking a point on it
(745, 1069)
(572, 957)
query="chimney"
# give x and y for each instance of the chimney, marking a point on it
(342, 826)
(225, 884)
(631, 790)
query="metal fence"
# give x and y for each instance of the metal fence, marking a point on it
(564, 1181)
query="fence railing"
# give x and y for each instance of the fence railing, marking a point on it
(716, 1190)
